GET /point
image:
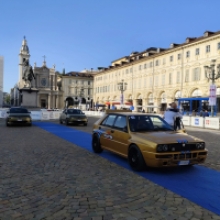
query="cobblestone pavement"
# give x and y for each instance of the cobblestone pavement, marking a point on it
(45, 177)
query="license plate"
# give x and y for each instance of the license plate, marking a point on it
(183, 162)
(19, 119)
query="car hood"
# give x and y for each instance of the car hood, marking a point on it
(165, 137)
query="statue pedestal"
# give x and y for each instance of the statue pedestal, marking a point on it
(29, 97)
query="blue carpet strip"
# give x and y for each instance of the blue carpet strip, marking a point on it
(199, 184)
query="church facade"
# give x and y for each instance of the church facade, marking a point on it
(43, 90)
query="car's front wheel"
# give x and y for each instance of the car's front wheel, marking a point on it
(135, 158)
(67, 123)
(96, 144)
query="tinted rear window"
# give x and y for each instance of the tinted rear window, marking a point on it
(18, 110)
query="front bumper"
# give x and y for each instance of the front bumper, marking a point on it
(77, 121)
(175, 158)
(16, 122)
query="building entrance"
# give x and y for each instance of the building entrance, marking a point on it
(43, 103)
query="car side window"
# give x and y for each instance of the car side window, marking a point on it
(109, 121)
(120, 123)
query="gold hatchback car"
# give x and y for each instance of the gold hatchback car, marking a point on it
(146, 140)
(18, 116)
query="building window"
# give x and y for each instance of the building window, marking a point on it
(139, 67)
(179, 56)
(88, 91)
(145, 82)
(131, 70)
(164, 60)
(88, 82)
(145, 66)
(151, 81)
(170, 78)
(171, 58)
(126, 70)
(187, 76)
(218, 46)
(163, 80)
(157, 63)
(151, 64)
(197, 51)
(156, 81)
(196, 74)
(178, 77)
(187, 54)
(207, 48)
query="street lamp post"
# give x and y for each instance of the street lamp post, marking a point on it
(122, 86)
(212, 74)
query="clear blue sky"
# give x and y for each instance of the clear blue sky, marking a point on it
(79, 34)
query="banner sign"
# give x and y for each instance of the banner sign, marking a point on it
(212, 95)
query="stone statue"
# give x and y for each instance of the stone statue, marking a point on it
(28, 74)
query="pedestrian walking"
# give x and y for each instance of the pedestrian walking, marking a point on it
(173, 116)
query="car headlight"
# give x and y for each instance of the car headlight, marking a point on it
(162, 147)
(200, 145)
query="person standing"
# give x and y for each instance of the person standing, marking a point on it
(173, 116)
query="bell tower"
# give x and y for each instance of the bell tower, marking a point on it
(23, 55)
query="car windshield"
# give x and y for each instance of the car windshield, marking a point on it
(74, 111)
(148, 123)
(18, 110)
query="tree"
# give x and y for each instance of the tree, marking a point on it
(7, 99)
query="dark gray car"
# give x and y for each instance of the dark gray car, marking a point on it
(18, 116)
(73, 116)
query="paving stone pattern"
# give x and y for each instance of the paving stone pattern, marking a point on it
(45, 177)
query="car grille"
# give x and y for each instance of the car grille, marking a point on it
(181, 147)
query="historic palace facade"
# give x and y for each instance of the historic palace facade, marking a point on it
(155, 77)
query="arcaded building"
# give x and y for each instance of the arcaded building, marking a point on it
(157, 76)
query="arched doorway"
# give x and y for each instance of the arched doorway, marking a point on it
(196, 103)
(69, 102)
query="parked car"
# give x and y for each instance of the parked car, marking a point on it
(73, 116)
(18, 116)
(146, 140)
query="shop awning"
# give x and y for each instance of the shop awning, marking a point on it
(116, 103)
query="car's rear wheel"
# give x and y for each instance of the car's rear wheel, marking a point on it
(61, 122)
(136, 159)
(96, 144)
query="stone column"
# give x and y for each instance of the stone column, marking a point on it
(135, 105)
(55, 83)
(51, 85)
(144, 104)
(38, 100)
(49, 101)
